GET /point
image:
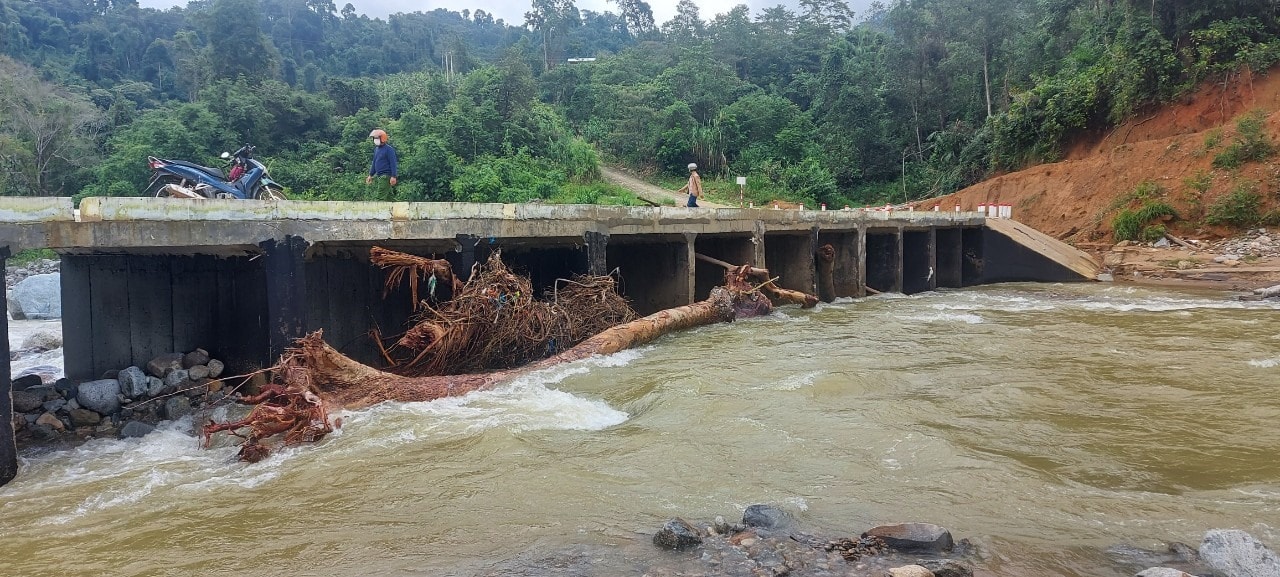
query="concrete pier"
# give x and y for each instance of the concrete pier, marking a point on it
(242, 279)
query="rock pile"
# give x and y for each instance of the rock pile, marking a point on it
(1254, 243)
(14, 274)
(125, 403)
(768, 543)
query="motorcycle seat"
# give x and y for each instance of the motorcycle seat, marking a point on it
(213, 171)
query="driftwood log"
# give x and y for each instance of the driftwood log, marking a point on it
(825, 259)
(312, 378)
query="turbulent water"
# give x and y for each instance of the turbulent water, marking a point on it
(1051, 425)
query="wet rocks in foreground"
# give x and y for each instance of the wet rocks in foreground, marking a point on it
(769, 543)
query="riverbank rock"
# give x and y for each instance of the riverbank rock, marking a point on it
(677, 534)
(913, 537)
(27, 400)
(37, 297)
(134, 429)
(947, 568)
(1235, 553)
(161, 365)
(910, 571)
(42, 340)
(101, 396)
(133, 382)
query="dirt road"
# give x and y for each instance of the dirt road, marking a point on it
(648, 192)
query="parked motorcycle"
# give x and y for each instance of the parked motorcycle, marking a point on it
(246, 178)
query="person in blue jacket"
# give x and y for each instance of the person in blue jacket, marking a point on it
(384, 159)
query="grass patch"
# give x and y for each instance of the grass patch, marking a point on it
(595, 193)
(1251, 143)
(1136, 224)
(31, 255)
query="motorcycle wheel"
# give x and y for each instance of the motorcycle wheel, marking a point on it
(270, 193)
(155, 188)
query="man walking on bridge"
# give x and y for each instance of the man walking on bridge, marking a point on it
(694, 187)
(384, 162)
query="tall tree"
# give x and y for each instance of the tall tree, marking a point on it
(551, 19)
(237, 46)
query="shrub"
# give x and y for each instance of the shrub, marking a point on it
(1153, 233)
(1238, 208)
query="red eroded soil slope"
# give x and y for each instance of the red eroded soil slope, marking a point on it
(1077, 198)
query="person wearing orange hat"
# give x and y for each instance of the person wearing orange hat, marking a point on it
(384, 158)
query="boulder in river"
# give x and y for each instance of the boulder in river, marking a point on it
(913, 537)
(677, 534)
(765, 517)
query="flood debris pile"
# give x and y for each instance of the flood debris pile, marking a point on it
(484, 332)
(494, 321)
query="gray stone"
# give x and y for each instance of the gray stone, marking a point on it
(1163, 572)
(135, 429)
(197, 372)
(54, 405)
(176, 378)
(45, 340)
(177, 407)
(133, 382)
(25, 382)
(913, 537)
(100, 396)
(947, 568)
(765, 516)
(84, 418)
(1235, 553)
(26, 401)
(677, 534)
(154, 386)
(215, 368)
(37, 297)
(910, 571)
(161, 365)
(196, 357)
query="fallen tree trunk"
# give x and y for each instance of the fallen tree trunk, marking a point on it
(313, 377)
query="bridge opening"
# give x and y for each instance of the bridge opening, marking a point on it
(974, 253)
(846, 275)
(884, 260)
(733, 249)
(790, 257)
(131, 308)
(950, 255)
(919, 272)
(654, 275)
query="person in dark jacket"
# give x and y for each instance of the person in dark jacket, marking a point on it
(384, 158)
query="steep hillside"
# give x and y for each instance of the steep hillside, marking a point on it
(1173, 148)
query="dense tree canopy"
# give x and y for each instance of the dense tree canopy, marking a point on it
(816, 104)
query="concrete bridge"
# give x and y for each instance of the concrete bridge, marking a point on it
(242, 279)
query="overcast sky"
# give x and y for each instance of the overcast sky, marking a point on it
(513, 10)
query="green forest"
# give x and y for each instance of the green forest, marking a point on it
(914, 98)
